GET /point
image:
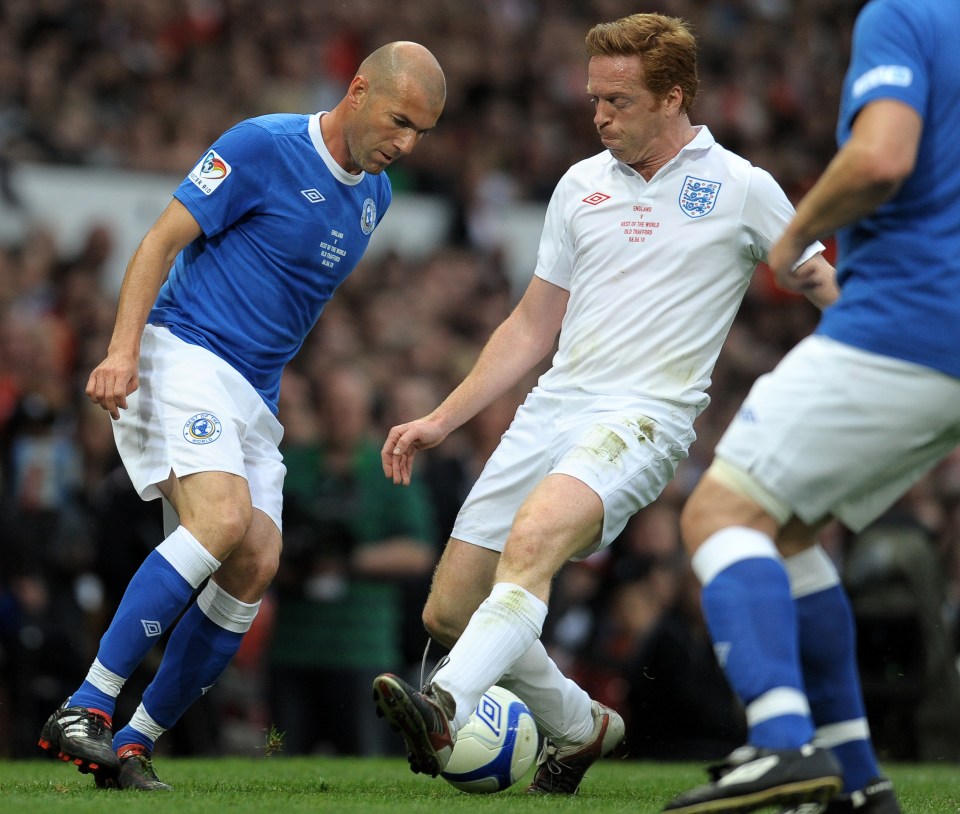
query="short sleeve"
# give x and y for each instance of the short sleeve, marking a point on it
(229, 179)
(555, 255)
(887, 61)
(766, 213)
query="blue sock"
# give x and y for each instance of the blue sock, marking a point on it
(200, 648)
(154, 598)
(828, 656)
(752, 621)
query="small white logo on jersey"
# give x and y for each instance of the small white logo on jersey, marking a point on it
(368, 216)
(210, 172)
(151, 628)
(899, 76)
(312, 195)
(596, 198)
(203, 428)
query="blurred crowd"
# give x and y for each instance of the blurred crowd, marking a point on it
(121, 83)
(147, 86)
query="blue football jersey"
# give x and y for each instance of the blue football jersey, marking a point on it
(899, 268)
(283, 225)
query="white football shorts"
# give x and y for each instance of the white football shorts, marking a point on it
(625, 450)
(193, 412)
(838, 431)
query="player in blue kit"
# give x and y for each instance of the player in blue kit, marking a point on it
(845, 424)
(272, 219)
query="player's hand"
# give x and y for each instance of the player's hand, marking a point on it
(783, 256)
(111, 382)
(402, 444)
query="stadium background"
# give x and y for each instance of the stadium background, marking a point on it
(105, 105)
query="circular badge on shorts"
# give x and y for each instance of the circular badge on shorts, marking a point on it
(203, 428)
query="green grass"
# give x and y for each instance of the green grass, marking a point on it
(279, 785)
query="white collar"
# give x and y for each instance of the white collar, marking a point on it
(316, 136)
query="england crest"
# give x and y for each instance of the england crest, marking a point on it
(697, 197)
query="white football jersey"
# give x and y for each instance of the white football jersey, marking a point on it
(656, 269)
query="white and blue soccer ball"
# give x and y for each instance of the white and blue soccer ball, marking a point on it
(496, 746)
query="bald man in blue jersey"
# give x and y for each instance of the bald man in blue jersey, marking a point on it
(217, 299)
(845, 425)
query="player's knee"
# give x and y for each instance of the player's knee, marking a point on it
(264, 567)
(527, 526)
(711, 507)
(725, 497)
(221, 527)
(248, 572)
(528, 544)
(533, 555)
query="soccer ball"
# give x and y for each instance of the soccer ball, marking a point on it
(496, 746)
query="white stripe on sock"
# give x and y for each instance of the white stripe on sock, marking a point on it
(188, 557)
(225, 610)
(105, 680)
(811, 572)
(142, 722)
(776, 703)
(729, 546)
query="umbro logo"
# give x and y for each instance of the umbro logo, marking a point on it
(596, 198)
(151, 628)
(312, 195)
(747, 415)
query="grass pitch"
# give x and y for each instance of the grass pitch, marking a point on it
(280, 785)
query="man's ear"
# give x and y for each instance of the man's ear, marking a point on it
(674, 100)
(357, 91)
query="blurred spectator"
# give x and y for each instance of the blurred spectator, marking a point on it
(50, 455)
(45, 552)
(110, 83)
(351, 539)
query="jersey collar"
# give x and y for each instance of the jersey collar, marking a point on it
(703, 140)
(316, 136)
(700, 143)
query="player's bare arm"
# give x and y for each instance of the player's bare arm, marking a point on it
(521, 341)
(867, 171)
(115, 377)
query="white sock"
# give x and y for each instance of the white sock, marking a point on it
(562, 710)
(499, 632)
